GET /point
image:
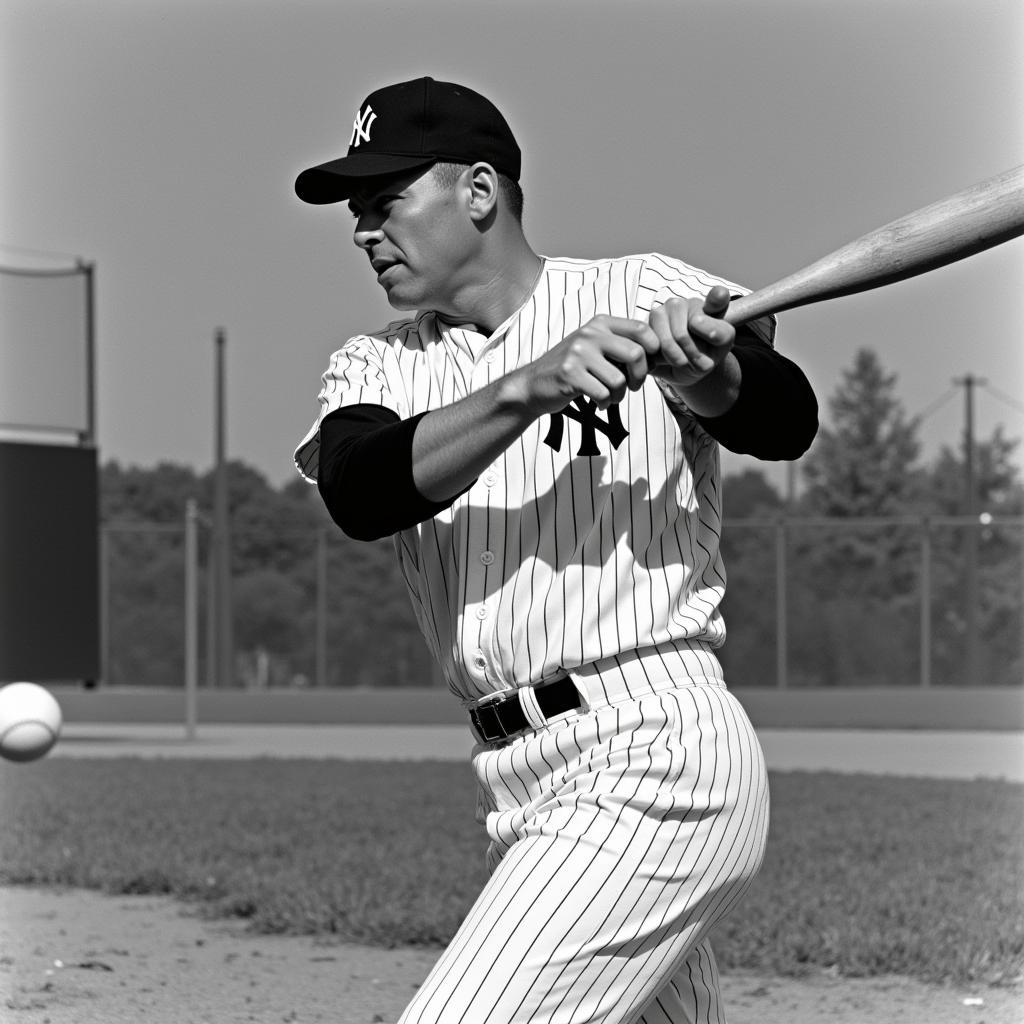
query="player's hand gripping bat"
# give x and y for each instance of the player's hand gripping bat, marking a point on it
(952, 229)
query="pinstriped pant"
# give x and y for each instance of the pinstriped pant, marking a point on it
(619, 837)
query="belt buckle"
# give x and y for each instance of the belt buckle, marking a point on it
(485, 712)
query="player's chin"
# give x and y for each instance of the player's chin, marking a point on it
(400, 297)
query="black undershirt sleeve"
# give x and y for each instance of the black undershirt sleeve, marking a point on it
(365, 472)
(776, 414)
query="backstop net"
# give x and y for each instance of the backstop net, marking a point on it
(45, 350)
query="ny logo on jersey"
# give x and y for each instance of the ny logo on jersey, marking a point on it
(361, 126)
(585, 413)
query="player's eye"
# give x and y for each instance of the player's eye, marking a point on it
(381, 204)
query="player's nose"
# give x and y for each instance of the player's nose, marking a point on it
(366, 233)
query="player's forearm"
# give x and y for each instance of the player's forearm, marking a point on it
(379, 474)
(452, 446)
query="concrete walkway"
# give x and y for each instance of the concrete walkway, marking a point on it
(937, 754)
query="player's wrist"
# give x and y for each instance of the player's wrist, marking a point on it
(716, 392)
(514, 396)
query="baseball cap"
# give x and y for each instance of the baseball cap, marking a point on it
(414, 124)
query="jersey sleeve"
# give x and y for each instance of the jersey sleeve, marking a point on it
(356, 376)
(663, 278)
(365, 472)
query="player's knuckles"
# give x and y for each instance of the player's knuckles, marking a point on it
(673, 355)
(631, 376)
(711, 330)
(676, 311)
(680, 324)
(647, 338)
(567, 373)
(661, 325)
(587, 338)
(688, 350)
(599, 326)
(577, 351)
(637, 370)
(725, 335)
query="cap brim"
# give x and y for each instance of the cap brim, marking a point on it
(334, 181)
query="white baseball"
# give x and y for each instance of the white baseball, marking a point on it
(30, 721)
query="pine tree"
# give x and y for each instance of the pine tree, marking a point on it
(863, 464)
(854, 595)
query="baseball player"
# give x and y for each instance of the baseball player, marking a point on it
(540, 437)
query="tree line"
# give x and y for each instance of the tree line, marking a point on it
(852, 585)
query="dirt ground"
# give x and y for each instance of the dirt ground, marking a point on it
(77, 957)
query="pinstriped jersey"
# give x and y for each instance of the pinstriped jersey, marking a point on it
(591, 545)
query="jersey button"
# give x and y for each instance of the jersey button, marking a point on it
(491, 356)
(481, 612)
(480, 661)
(490, 478)
(487, 558)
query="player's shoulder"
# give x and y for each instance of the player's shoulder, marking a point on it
(405, 331)
(651, 265)
(577, 264)
(660, 269)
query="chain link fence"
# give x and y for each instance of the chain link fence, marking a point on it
(809, 603)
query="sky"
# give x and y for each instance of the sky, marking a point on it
(160, 140)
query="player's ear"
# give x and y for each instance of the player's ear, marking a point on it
(482, 182)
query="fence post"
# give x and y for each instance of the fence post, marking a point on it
(973, 602)
(1022, 599)
(105, 605)
(321, 607)
(191, 617)
(926, 602)
(781, 625)
(211, 611)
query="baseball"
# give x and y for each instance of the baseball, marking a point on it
(30, 721)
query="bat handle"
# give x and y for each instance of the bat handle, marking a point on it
(750, 307)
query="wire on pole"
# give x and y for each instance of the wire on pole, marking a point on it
(1003, 397)
(934, 407)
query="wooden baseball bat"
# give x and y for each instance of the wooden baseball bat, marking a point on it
(969, 221)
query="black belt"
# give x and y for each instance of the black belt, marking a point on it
(504, 717)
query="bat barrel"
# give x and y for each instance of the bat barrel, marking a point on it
(970, 221)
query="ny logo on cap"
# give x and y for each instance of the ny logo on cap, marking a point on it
(361, 126)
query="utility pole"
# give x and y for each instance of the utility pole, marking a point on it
(222, 527)
(970, 540)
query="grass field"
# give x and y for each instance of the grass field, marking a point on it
(867, 875)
